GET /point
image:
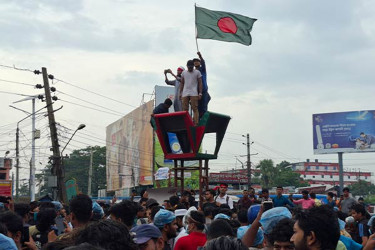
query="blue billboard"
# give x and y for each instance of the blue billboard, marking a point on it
(346, 132)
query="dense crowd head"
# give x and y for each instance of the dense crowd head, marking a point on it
(181, 222)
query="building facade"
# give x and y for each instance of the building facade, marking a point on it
(325, 173)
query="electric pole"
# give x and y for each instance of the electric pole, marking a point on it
(248, 163)
(56, 158)
(17, 161)
(90, 173)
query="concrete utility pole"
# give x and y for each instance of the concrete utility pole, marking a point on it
(32, 165)
(17, 161)
(248, 163)
(56, 158)
(90, 173)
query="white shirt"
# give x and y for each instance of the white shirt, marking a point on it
(190, 82)
(223, 200)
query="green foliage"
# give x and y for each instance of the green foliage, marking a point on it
(362, 188)
(281, 175)
(77, 166)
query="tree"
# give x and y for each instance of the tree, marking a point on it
(76, 166)
(362, 188)
(281, 175)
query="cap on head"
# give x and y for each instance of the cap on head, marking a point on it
(144, 233)
(223, 185)
(151, 202)
(190, 64)
(163, 217)
(180, 212)
(180, 68)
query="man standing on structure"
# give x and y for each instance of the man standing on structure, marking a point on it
(177, 105)
(191, 89)
(200, 65)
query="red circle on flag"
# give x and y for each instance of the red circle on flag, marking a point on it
(227, 25)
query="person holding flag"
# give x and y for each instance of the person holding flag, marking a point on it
(200, 65)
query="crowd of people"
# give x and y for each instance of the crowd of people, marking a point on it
(182, 223)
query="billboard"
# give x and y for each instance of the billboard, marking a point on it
(229, 178)
(346, 132)
(5, 188)
(130, 150)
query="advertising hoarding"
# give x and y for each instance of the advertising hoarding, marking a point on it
(346, 132)
(130, 150)
(5, 188)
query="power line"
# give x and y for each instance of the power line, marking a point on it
(77, 104)
(92, 92)
(21, 83)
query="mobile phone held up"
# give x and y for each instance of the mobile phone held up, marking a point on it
(267, 205)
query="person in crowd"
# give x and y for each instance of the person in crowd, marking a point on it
(279, 200)
(242, 217)
(149, 205)
(209, 213)
(316, 200)
(141, 214)
(7, 243)
(162, 107)
(23, 209)
(80, 210)
(244, 202)
(177, 105)
(362, 202)
(200, 64)
(330, 201)
(180, 213)
(44, 225)
(219, 227)
(361, 217)
(316, 228)
(106, 234)
(225, 242)
(191, 89)
(281, 234)
(185, 197)
(166, 222)
(143, 202)
(14, 226)
(347, 202)
(174, 201)
(154, 211)
(97, 211)
(223, 197)
(147, 237)
(265, 195)
(252, 196)
(209, 196)
(196, 237)
(124, 212)
(306, 202)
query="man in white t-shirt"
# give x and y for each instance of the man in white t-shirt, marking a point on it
(223, 198)
(191, 89)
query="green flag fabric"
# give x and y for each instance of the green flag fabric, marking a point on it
(223, 26)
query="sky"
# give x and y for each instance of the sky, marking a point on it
(307, 57)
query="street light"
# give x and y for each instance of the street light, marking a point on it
(81, 126)
(61, 171)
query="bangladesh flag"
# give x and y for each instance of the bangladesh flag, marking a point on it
(223, 26)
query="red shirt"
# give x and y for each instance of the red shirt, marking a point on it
(191, 242)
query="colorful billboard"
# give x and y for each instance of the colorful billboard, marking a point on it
(346, 132)
(129, 150)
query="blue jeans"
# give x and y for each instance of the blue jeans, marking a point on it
(203, 103)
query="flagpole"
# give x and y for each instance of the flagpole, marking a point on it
(196, 33)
